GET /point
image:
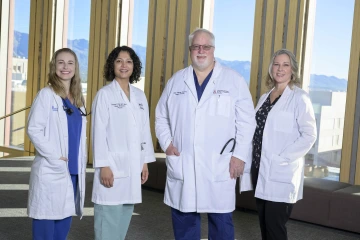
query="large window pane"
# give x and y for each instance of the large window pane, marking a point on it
(139, 35)
(233, 27)
(18, 38)
(328, 84)
(78, 31)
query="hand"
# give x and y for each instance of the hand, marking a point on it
(144, 174)
(64, 159)
(236, 167)
(106, 177)
(171, 150)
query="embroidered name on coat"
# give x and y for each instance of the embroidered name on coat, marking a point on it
(119, 105)
(179, 93)
(220, 92)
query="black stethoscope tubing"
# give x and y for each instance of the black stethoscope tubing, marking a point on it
(227, 143)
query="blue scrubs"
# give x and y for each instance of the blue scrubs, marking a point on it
(201, 89)
(74, 133)
(187, 225)
(58, 229)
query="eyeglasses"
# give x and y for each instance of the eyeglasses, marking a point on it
(197, 47)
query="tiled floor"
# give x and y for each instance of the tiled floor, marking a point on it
(151, 219)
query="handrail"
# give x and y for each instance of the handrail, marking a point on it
(10, 114)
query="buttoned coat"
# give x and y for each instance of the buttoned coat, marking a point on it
(289, 133)
(51, 194)
(121, 140)
(199, 179)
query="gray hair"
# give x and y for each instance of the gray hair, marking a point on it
(202, 30)
(295, 78)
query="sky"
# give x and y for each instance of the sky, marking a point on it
(233, 29)
(79, 19)
(233, 26)
(332, 37)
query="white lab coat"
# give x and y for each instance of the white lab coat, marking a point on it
(199, 179)
(51, 194)
(289, 133)
(121, 139)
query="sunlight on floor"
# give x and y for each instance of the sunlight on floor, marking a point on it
(21, 212)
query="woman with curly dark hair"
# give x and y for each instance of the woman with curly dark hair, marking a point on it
(122, 145)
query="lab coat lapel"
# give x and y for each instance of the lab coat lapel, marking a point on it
(134, 105)
(210, 87)
(283, 100)
(262, 100)
(120, 94)
(63, 125)
(189, 81)
(208, 92)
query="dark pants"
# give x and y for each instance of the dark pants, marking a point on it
(273, 217)
(187, 225)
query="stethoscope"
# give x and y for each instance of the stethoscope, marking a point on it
(227, 143)
(70, 111)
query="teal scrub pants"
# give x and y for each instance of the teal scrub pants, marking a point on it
(111, 222)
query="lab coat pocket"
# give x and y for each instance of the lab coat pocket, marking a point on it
(220, 106)
(174, 166)
(221, 166)
(284, 122)
(54, 167)
(119, 164)
(281, 170)
(223, 106)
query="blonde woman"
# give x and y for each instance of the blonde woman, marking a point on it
(57, 128)
(285, 132)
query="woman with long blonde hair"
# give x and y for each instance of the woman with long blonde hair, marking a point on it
(57, 128)
(285, 132)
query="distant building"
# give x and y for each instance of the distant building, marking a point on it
(329, 108)
(19, 74)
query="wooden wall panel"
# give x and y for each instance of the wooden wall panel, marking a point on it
(149, 49)
(170, 22)
(105, 24)
(41, 36)
(351, 104)
(278, 24)
(292, 21)
(196, 17)
(268, 48)
(180, 35)
(279, 41)
(170, 44)
(158, 57)
(300, 41)
(256, 63)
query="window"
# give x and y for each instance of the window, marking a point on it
(13, 93)
(78, 30)
(233, 26)
(328, 81)
(139, 35)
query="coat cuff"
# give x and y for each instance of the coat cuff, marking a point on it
(243, 153)
(149, 159)
(101, 163)
(166, 144)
